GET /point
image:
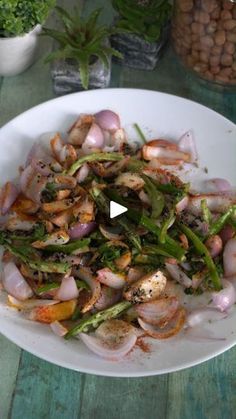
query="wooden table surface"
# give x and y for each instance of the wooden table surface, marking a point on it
(32, 388)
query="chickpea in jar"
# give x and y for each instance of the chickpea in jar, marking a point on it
(204, 37)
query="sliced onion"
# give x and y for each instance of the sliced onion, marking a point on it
(26, 177)
(111, 232)
(68, 289)
(30, 303)
(182, 205)
(216, 202)
(178, 275)
(94, 139)
(187, 144)
(217, 185)
(16, 223)
(130, 180)
(172, 328)
(41, 167)
(134, 274)
(113, 280)
(112, 352)
(225, 298)
(86, 275)
(144, 197)
(158, 312)
(14, 283)
(79, 230)
(108, 120)
(58, 328)
(82, 173)
(214, 245)
(199, 334)
(226, 233)
(200, 315)
(170, 155)
(9, 194)
(229, 257)
(38, 152)
(108, 297)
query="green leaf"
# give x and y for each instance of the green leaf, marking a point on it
(84, 70)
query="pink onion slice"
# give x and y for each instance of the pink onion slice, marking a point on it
(158, 312)
(170, 155)
(111, 279)
(217, 185)
(216, 202)
(178, 275)
(14, 283)
(58, 328)
(79, 230)
(108, 297)
(86, 275)
(182, 205)
(41, 167)
(225, 298)
(108, 120)
(229, 257)
(82, 173)
(171, 329)
(204, 314)
(94, 139)
(68, 289)
(226, 233)
(9, 194)
(109, 352)
(187, 144)
(214, 245)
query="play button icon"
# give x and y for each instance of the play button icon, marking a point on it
(116, 209)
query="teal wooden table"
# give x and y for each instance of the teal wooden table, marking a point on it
(32, 388)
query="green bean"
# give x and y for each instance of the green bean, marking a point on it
(155, 196)
(222, 220)
(94, 157)
(140, 133)
(96, 319)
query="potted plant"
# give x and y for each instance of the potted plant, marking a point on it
(146, 25)
(82, 58)
(20, 23)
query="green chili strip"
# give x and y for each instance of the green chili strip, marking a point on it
(94, 157)
(152, 249)
(166, 225)
(203, 251)
(206, 213)
(140, 133)
(47, 287)
(155, 196)
(95, 320)
(171, 246)
(103, 204)
(222, 220)
(69, 247)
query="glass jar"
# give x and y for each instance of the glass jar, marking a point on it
(204, 37)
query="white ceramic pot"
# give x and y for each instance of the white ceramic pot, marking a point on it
(18, 53)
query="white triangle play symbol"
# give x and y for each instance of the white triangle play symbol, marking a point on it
(116, 209)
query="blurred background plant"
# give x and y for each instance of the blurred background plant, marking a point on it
(82, 40)
(145, 18)
(20, 17)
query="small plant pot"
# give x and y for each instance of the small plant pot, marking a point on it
(66, 76)
(138, 53)
(18, 53)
